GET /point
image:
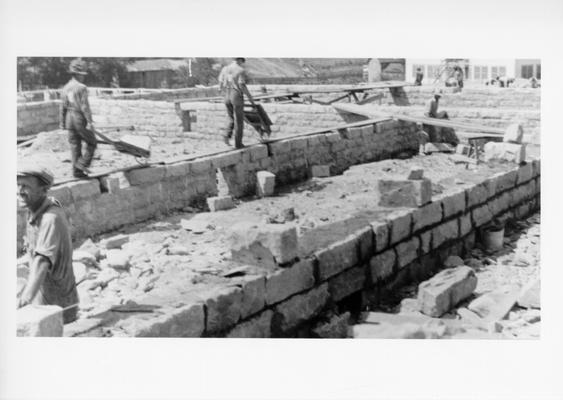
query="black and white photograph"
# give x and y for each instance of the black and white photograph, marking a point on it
(279, 197)
(295, 200)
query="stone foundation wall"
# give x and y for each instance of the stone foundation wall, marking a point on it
(100, 205)
(38, 117)
(372, 261)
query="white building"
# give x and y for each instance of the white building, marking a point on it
(475, 69)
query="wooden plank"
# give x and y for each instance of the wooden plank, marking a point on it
(445, 123)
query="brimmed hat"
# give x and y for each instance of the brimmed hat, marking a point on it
(437, 92)
(32, 169)
(77, 67)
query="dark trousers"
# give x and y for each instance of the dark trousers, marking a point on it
(234, 101)
(77, 132)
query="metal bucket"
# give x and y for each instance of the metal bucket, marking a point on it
(493, 239)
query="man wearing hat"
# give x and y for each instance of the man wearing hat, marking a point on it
(437, 134)
(232, 81)
(76, 117)
(48, 244)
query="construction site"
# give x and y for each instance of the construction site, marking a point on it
(335, 220)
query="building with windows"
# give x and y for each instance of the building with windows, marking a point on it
(475, 69)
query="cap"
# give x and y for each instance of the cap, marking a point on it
(77, 67)
(33, 169)
(437, 92)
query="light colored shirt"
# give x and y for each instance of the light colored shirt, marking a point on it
(48, 234)
(233, 76)
(74, 96)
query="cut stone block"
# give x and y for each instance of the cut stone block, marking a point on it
(117, 259)
(289, 281)
(300, 308)
(347, 283)
(265, 183)
(495, 305)
(320, 171)
(514, 134)
(399, 225)
(280, 241)
(407, 251)
(382, 265)
(530, 295)
(115, 242)
(505, 151)
(410, 193)
(338, 257)
(430, 148)
(416, 173)
(453, 261)
(439, 294)
(109, 184)
(223, 309)
(219, 203)
(34, 320)
(257, 327)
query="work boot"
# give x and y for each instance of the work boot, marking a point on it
(81, 167)
(79, 174)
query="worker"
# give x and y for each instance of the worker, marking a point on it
(422, 137)
(232, 81)
(48, 244)
(419, 77)
(76, 117)
(458, 75)
(433, 104)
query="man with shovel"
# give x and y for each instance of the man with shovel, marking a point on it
(76, 117)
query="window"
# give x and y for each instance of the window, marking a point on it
(481, 72)
(502, 71)
(498, 71)
(527, 71)
(538, 71)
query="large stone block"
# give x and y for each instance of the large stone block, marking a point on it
(513, 134)
(407, 251)
(185, 321)
(265, 183)
(289, 281)
(257, 327)
(86, 189)
(481, 215)
(399, 226)
(409, 193)
(381, 235)
(505, 152)
(337, 257)
(280, 241)
(477, 194)
(525, 173)
(33, 320)
(444, 232)
(426, 241)
(454, 203)
(505, 180)
(382, 265)
(223, 309)
(61, 193)
(219, 203)
(347, 283)
(366, 243)
(253, 295)
(300, 308)
(465, 224)
(143, 176)
(427, 215)
(443, 291)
